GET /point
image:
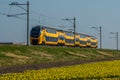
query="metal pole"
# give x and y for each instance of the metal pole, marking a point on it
(15, 15)
(116, 40)
(74, 26)
(100, 37)
(74, 31)
(28, 23)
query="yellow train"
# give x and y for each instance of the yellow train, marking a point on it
(41, 35)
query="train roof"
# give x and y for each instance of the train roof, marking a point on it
(50, 28)
(56, 29)
(65, 31)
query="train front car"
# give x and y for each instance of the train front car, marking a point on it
(34, 35)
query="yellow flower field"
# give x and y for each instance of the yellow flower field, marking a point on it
(109, 70)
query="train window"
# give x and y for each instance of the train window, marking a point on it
(69, 41)
(83, 42)
(93, 43)
(61, 37)
(51, 31)
(51, 39)
(77, 39)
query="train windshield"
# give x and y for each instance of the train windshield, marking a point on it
(35, 32)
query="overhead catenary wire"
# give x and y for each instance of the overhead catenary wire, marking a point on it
(46, 19)
(20, 18)
(21, 7)
(38, 17)
(41, 14)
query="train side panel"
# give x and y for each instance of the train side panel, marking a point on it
(50, 37)
(61, 38)
(69, 39)
(94, 43)
(83, 40)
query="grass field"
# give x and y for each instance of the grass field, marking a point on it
(19, 55)
(28, 59)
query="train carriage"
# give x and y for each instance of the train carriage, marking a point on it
(69, 38)
(83, 40)
(51, 36)
(61, 38)
(94, 42)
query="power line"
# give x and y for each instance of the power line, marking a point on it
(20, 18)
(16, 16)
(74, 26)
(27, 12)
(39, 13)
(100, 31)
(21, 7)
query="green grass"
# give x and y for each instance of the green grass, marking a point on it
(17, 55)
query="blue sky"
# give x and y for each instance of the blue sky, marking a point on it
(88, 13)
